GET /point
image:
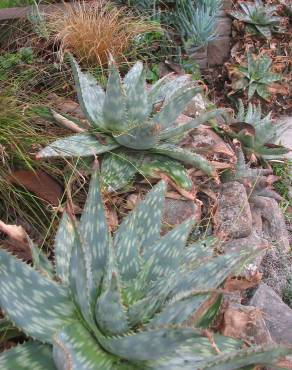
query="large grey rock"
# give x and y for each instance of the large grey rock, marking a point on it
(233, 216)
(273, 223)
(277, 315)
(178, 210)
(219, 51)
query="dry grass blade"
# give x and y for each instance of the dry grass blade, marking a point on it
(93, 30)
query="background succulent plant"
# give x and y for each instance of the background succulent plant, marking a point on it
(122, 302)
(256, 76)
(257, 134)
(123, 119)
(259, 17)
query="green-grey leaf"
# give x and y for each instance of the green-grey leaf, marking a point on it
(114, 107)
(79, 145)
(40, 260)
(185, 156)
(117, 171)
(90, 95)
(35, 304)
(150, 344)
(153, 165)
(30, 355)
(110, 314)
(75, 349)
(138, 108)
(174, 107)
(64, 241)
(95, 234)
(168, 251)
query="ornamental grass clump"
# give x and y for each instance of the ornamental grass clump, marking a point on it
(134, 300)
(93, 31)
(127, 127)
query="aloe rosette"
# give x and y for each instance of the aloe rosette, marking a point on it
(135, 300)
(262, 134)
(126, 126)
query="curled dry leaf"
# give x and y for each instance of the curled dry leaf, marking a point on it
(18, 240)
(236, 283)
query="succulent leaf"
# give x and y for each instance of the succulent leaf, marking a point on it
(30, 355)
(159, 341)
(138, 108)
(76, 349)
(117, 170)
(166, 117)
(95, 234)
(40, 260)
(185, 156)
(110, 314)
(39, 306)
(90, 96)
(168, 251)
(80, 145)
(64, 241)
(114, 107)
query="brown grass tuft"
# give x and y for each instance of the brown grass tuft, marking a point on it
(92, 30)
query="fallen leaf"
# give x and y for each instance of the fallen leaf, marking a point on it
(18, 240)
(242, 283)
(39, 183)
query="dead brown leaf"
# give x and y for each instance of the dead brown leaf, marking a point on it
(242, 283)
(39, 183)
(18, 240)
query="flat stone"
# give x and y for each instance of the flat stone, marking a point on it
(277, 315)
(273, 223)
(245, 323)
(223, 27)
(233, 216)
(219, 51)
(200, 57)
(286, 137)
(178, 210)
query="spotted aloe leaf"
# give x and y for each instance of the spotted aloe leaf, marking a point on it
(40, 306)
(168, 251)
(64, 242)
(186, 157)
(155, 165)
(160, 342)
(31, 355)
(138, 108)
(76, 349)
(118, 170)
(174, 107)
(90, 95)
(95, 234)
(80, 145)
(139, 230)
(114, 107)
(110, 314)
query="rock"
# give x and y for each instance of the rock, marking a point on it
(286, 137)
(178, 210)
(226, 5)
(219, 51)
(273, 222)
(233, 216)
(245, 323)
(196, 106)
(223, 24)
(277, 315)
(200, 57)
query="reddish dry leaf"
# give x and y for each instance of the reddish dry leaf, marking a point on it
(17, 243)
(39, 183)
(242, 283)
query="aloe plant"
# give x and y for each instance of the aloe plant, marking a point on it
(196, 22)
(256, 76)
(258, 135)
(124, 125)
(259, 17)
(132, 301)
